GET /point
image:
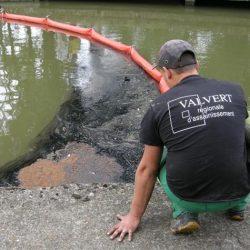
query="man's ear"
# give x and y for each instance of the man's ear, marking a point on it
(164, 69)
(168, 73)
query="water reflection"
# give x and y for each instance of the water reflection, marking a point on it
(8, 99)
(204, 40)
(148, 26)
(35, 61)
(218, 34)
(32, 87)
(107, 92)
(8, 87)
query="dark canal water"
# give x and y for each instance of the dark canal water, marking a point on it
(40, 71)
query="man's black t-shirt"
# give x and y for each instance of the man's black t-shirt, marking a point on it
(202, 124)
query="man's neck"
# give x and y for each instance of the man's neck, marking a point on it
(179, 77)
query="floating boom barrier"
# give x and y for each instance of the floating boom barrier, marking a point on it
(90, 34)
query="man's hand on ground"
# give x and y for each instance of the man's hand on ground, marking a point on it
(127, 225)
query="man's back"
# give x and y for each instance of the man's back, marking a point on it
(202, 123)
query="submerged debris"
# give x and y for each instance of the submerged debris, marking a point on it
(104, 111)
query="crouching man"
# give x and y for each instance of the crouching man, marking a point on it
(201, 122)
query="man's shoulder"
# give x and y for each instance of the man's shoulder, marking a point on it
(226, 83)
(162, 98)
(201, 84)
(233, 87)
(218, 84)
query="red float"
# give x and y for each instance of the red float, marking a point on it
(90, 34)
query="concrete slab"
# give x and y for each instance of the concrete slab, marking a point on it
(78, 216)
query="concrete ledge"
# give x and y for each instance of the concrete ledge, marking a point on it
(78, 216)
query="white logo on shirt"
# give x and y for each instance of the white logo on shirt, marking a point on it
(191, 111)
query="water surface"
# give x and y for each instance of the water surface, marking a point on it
(221, 36)
(37, 68)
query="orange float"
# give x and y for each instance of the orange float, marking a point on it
(92, 35)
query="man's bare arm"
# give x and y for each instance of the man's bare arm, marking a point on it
(145, 178)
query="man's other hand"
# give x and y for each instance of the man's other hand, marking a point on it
(127, 225)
